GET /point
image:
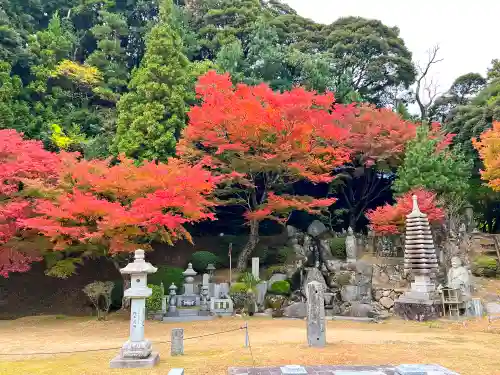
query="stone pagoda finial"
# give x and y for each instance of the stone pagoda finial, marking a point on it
(420, 255)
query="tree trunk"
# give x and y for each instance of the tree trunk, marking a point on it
(253, 240)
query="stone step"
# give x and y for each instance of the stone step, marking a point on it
(188, 318)
(188, 312)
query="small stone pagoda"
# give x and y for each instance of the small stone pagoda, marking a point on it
(421, 301)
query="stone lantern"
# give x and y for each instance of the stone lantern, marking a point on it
(211, 270)
(137, 352)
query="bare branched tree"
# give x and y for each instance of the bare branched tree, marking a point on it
(427, 88)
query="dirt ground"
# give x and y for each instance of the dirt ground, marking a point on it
(468, 348)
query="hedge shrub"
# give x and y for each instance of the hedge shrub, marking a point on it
(485, 266)
(201, 259)
(167, 275)
(281, 288)
(153, 303)
(238, 293)
(337, 247)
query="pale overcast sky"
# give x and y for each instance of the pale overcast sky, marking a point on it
(467, 31)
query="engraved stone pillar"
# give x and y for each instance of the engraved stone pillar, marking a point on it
(255, 268)
(137, 351)
(316, 326)
(177, 341)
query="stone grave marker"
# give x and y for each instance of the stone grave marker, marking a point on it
(316, 326)
(177, 342)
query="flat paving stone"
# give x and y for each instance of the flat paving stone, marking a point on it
(343, 370)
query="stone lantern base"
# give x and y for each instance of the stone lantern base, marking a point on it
(418, 310)
(150, 361)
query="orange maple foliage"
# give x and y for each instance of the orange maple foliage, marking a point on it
(488, 147)
(266, 139)
(121, 204)
(389, 219)
(378, 135)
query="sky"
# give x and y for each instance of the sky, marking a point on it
(466, 31)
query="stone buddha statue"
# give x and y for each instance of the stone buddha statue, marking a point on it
(459, 277)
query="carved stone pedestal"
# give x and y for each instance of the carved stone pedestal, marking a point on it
(418, 310)
(150, 361)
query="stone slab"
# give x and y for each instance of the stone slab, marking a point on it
(188, 318)
(317, 370)
(344, 370)
(423, 370)
(151, 361)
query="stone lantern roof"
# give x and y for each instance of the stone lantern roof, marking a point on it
(139, 265)
(420, 254)
(210, 267)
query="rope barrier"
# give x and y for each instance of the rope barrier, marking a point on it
(118, 347)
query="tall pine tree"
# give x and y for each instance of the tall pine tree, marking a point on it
(152, 113)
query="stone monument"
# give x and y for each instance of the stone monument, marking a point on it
(459, 277)
(350, 246)
(177, 342)
(316, 326)
(421, 301)
(137, 352)
(189, 298)
(255, 268)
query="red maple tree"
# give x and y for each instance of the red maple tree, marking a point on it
(93, 207)
(390, 219)
(378, 140)
(24, 165)
(266, 141)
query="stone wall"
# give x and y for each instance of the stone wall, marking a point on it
(384, 298)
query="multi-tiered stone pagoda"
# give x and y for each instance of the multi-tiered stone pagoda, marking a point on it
(420, 261)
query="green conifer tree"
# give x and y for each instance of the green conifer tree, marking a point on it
(152, 113)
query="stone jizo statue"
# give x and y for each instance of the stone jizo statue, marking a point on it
(459, 277)
(350, 245)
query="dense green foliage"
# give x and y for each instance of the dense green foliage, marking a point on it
(280, 288)
(201, 259)
(485, 266)
(167, 275)
(337, 247)
(444, 171)
(153, 302)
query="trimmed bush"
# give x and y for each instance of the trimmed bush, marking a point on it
(275, 269)
(153, 303)
(201, 259)
(238, 293)
(167, 275)
(238, 288)
(485, 266)
(281, 288)
(337, 247)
